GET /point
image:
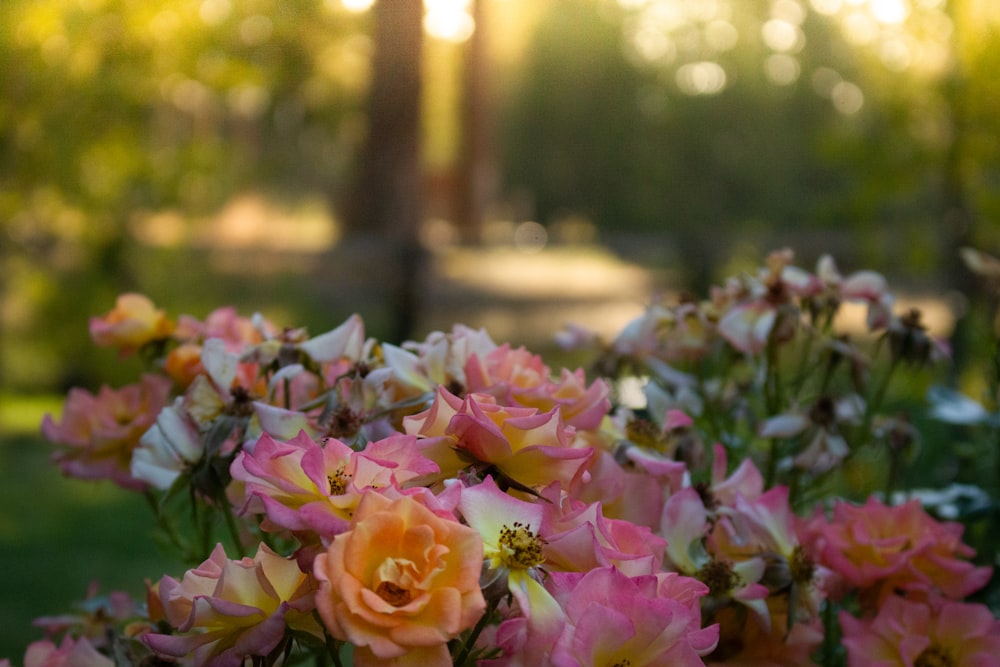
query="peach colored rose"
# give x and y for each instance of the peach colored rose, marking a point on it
(133, 322)
(183, 364)
(401, 583)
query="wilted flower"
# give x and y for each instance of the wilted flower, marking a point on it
(401, 583)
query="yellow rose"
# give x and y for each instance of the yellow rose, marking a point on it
(133, 322)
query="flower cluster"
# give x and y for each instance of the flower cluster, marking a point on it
(456, 501)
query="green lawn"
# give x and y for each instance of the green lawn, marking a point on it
(58, 535)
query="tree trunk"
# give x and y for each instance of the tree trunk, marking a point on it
(476, 169)
(387, 201)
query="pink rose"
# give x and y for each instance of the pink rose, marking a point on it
(100, 432)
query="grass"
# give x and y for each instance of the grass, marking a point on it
(58, 535)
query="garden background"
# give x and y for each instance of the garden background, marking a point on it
(512, 164)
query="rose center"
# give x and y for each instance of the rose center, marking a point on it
(395, 595)
(719, 576)
(802, 566)
(338, 482)
(520, 548)
(934, 656)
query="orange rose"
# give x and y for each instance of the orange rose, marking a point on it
(133, 322)
(401, 583)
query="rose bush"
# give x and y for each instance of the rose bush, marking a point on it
(457, 501)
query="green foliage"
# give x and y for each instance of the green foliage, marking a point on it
(110, 109)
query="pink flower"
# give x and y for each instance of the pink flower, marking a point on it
(913, 634)
(70, 653)
(631, 494)
(615, 619)
(133, 322)
(513, 544)
(745, 481)
(238, 332)
(579, 537)
(302, 485)
(521, 445)
(517, 377)
(228, 610)
(879, 549)
(100, 432)
(401, 583)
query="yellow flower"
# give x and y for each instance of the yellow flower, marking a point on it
(133, 322)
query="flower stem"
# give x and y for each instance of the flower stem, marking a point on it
(333, 648)
(234, 532)
(463, 655)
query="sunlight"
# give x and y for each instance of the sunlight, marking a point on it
(889, 11)
(357, 6)
(449, 20)
(701, 78)
(780, 35)
(782, 69)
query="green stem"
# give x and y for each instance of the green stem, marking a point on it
(772, 463)
(234, 531)
(169, 528)
(878, 398)
(333, 648)
(892, 474)
(829, 641)
(463, 655)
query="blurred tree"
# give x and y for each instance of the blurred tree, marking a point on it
(388, 200)
(714, 121)
(476, 170)
(110, 109)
